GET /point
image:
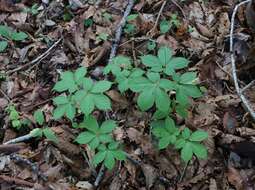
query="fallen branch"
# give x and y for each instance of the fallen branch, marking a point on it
(36, 60)
(238, 89)
(19, 139)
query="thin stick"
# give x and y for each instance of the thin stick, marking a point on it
(5, 95)
(184, 171)
(88, 162)
(248, 86)
(19, 139)
(100, 175)
(150, 33)
(119, 30)
(179, 7)
(113, 54)
(36, 60)
(238, 90)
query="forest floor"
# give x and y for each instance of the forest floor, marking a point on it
(64, 35)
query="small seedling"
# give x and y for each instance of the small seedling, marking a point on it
(130, 28)
(82, 93)
(107, 17)
(189, 143)
(10, 35)
(100, 139)
(88, 22)
(45, 131)
(108, 154)
(32, 10)
(151, 45)
(166, 25)
(102, 37)
(14, 117)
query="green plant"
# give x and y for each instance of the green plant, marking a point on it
(80, 92)
(102, 37)
(100, 139)
(84, 94)
(88, 22)
(32, 10)
(130, 28)
(181, 138)
(166, 25)
(108, 154)
(107, 16)
(151, 45)
(9, 34)
(45, 131)
(14, 117)
(162, 87)
(95, 134)
(161, 84)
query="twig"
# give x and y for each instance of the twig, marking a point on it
(238, 90)
(36, 60)
(150, 33)
(32, 165)
(248, 86)
(5, 95)
(179, 7)
(16, 181)
(100, 175)
(135, 39)
(183, 172)
(119, 29)
(19, 139)
(112, 54)
(88, 162)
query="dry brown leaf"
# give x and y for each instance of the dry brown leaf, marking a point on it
(84, 185)
(150, 174)
(169, 41)
(8, 6)
(230, 122)
(116, 183)
(235, 178)
(118, 98)
(134, 135)
(213, 184)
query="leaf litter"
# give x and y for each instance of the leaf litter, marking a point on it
(87, 30)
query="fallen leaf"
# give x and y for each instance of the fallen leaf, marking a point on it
(235, 178)
(84, 185)
(150, 174)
